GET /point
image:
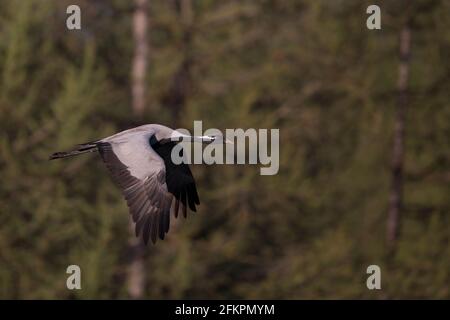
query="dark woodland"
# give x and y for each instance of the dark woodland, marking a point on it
(364, 120)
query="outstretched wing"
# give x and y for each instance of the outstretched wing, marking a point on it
(140, 173)
(179, 179)
(150, 181)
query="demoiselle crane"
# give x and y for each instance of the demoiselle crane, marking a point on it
(140, 163)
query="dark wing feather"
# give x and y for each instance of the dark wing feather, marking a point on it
(179, 179)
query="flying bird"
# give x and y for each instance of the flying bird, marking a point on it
(140, 163)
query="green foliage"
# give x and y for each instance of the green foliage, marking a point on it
(310, 68)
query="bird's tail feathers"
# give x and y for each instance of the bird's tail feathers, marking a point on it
(80, 149)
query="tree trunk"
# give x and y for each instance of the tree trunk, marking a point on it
(176, 96)
(396, 196)
(140, 23)
(136, 272)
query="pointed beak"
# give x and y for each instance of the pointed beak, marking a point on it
(177, 136)
(203, 139)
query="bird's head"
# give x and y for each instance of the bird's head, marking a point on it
(182, 137)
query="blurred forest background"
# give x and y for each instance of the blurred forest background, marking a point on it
(364, 139)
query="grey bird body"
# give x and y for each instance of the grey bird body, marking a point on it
(139, 160)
